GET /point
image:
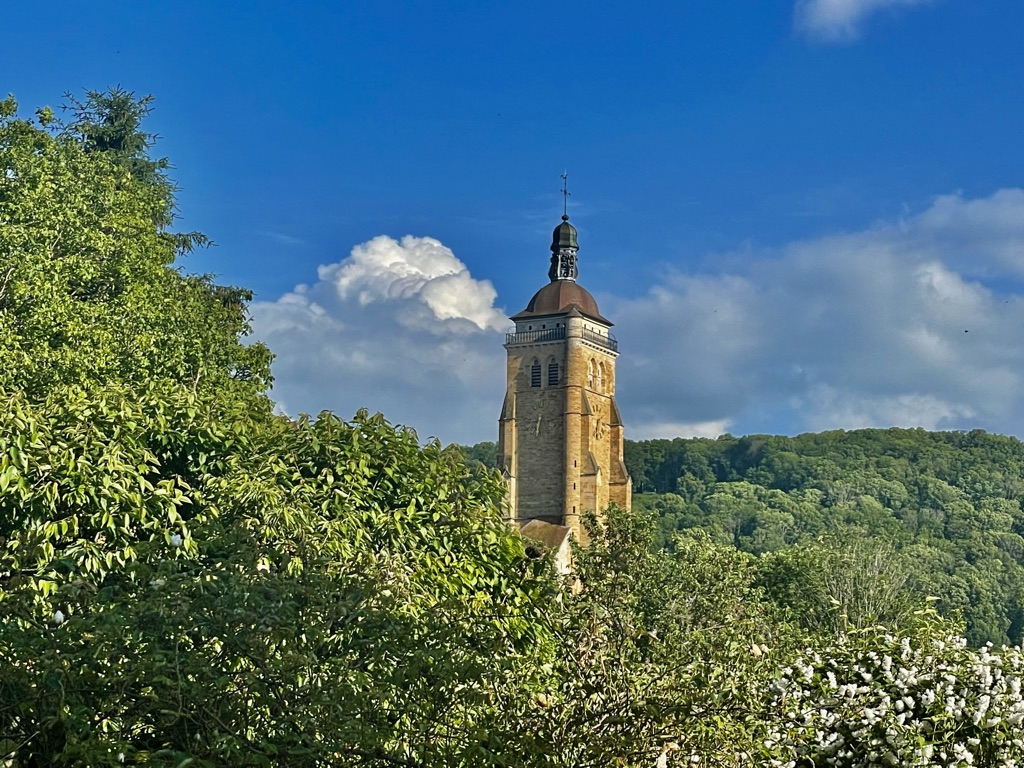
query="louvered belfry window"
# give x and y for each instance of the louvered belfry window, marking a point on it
(553, 373)
(535, 374)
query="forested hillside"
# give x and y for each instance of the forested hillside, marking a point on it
(935, 514)
(947, 504)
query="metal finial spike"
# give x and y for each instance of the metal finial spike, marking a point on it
(565, 195)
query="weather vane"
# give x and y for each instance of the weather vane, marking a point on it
(565, 194)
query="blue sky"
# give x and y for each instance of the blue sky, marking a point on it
(792, 209)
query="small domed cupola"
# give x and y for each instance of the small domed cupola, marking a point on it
(563, 252)
(564, 236)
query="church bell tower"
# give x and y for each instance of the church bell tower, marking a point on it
(560, 433)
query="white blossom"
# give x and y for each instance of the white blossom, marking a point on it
(913, 703)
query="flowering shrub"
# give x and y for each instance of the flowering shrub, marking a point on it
(876, 700)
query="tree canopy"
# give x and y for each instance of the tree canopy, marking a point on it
(89, 289)
(185, 578)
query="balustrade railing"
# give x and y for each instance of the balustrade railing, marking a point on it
(532, 337)
(607, 341)
(557, 334)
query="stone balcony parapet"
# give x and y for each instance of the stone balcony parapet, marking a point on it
(515, 338)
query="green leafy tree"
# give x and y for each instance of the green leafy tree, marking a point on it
(482, 454)
(88, 288)
(832, 586)
(184, 578)
(662, 657)
(110, 122)
(181, 582)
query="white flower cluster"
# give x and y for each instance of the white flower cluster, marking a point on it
(900, 703)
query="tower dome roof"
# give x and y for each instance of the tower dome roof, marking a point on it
(560, 297)
(564, 236)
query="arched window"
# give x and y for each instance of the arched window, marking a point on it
(590, 374)
(600, 378)
(552, 372)
(535, 374)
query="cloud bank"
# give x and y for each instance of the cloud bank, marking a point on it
(915, 321)
(841, 20)
(399, 327)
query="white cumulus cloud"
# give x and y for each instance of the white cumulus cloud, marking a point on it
(839, 20)
(398, 326)
(422, 273)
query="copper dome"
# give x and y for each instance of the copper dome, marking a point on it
(560, 297)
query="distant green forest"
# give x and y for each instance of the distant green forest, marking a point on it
(935, 514)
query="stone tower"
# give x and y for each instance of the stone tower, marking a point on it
(560, 432)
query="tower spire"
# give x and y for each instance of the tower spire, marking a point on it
(563, 242)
